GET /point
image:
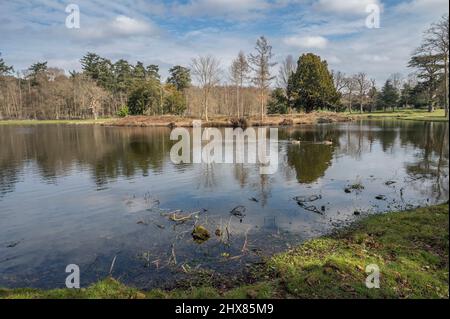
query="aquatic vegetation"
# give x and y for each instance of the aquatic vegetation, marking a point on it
(200, 234)
(238, 211)
(354, 187)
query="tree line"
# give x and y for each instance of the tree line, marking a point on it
(247, 87)
(306, 86)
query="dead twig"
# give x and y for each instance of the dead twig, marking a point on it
(244, 247)
(112, 265)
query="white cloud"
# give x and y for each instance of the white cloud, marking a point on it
(230, 8)
(119, 27)
(309, 42)
(129, 26)
(350, 7)
(434, 7)
(127, 29)
(375, 58)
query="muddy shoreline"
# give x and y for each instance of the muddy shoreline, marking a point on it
(226, 121)
(312, 269)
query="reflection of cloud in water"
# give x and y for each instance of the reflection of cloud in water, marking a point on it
(77, 193)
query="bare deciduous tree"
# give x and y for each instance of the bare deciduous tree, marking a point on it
(287, 68)
(350, 87)
(260, 64)
(396, 80)
(363, 85)
(239, 74)
(206, 70)
(339, 80)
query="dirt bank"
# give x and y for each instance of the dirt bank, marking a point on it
(224, 121)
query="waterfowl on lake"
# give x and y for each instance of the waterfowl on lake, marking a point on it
(295, 142)
(328, 142)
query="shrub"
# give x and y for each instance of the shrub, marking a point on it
(123, 112)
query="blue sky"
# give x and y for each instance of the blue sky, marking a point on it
(173, 32)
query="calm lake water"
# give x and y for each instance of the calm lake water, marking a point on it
(87, 195)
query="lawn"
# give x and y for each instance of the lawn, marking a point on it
(408, 114)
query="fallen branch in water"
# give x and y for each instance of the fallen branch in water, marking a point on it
(112, 265)
(244, 247)
(173, 257)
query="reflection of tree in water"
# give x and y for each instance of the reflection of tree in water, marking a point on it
(310, 161)
(386, 134)
(207, 178)
(113, 152)
(109, 152)
(431, 141)
(8, 179)
(138, 153)
(241, 174)
(264, 189)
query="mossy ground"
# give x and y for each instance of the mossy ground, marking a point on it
(410, 248)
(406, 114)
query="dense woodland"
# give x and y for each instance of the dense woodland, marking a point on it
(249, 86)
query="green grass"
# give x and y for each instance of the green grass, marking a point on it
(406, 114)
(36, 122)
(410, 248)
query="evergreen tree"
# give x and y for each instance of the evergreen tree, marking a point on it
(278, 102)
(98, 69)
(153, 72)
(174, 102)
(430, 72)
(122, 76)
(389, 96)
(312, 84)
(5, 69)
(139, 71)
(180, 77)
(144, 99)
(406, 94)
(37, 72)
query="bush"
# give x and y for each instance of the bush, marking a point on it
(144, 99)
(277, 103)
(239, 122)
(123, 112)
(174, 103)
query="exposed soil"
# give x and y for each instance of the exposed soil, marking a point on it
(224, 121)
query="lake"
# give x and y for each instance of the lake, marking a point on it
(88, 195)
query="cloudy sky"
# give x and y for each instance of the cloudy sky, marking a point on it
(173, 32)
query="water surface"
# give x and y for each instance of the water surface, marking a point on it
(88, 194)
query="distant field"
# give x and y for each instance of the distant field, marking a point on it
(410, 114)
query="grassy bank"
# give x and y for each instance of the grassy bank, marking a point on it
(36, 122)
(227, 121)
(408, 114)
(410, 248)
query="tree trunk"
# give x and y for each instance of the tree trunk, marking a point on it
(361, 105)
(430, 102)
(446, 85)
(262, 105)
(206, 106)
(237, 100)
